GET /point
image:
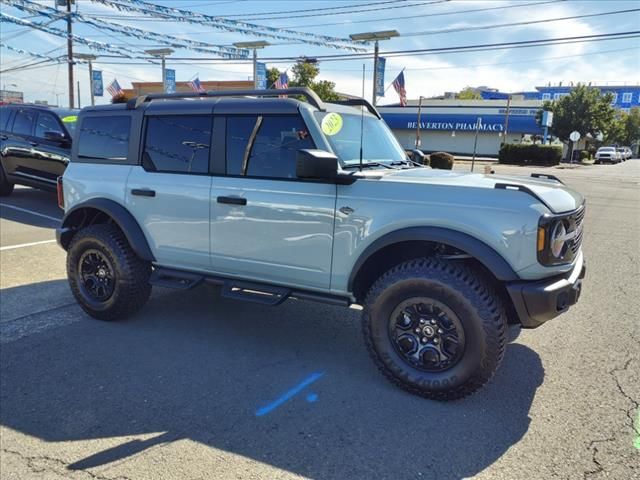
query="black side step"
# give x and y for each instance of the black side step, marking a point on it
(166, 277)
(255, 292)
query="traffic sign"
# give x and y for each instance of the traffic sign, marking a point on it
(574, 136)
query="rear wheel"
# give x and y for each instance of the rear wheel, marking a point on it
(435, 328)
(6, 187)
(107, 278)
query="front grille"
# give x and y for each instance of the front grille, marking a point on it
(578, 219)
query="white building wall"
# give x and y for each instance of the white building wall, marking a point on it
(461, 143)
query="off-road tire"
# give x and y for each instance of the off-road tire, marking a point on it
(6, 187)
(471, 298)
(131, 288)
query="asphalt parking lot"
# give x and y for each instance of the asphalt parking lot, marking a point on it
(201, 387)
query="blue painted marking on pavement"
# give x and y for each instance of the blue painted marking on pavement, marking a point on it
(312, 397)
(289, 394)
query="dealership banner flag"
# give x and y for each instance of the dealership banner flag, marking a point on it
(261, 76)
(380, 66)
(96, 83)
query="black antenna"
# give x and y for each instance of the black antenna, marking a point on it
(362, 119)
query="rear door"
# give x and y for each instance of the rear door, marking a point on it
(266, 224)
(168, 192)
(18, 146)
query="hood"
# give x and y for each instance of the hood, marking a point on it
(556, 196)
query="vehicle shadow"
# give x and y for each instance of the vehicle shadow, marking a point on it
(34, 200)
(196, 366)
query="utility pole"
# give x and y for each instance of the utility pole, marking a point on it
(70, 53)
(78, 83)
(475, 142)
(162, 53)
(418, 140)
(506, 121)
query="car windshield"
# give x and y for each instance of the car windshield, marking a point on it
(343, 130)
(69, 118)
(607, 149)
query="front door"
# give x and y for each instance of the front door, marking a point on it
(169, 193)
(267, 225)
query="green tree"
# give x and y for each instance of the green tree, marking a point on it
(585, 110)
(631, 127)
(468, 93)
(616, 131)
(272, 76)
(303, 74)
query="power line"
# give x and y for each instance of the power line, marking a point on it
(437, 14)
(515, 24)
(306, 15)
(308, 10)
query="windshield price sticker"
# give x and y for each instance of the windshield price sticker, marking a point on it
(70, 119)
(331, 124)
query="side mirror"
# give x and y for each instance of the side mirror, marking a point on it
(316, 164)
(58, 137)
(417, 156)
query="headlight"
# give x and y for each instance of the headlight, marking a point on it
(559, 237)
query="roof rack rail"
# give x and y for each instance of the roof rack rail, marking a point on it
(311, 96)
(357, 102)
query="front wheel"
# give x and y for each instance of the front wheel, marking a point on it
(435, 328)
(107, 278)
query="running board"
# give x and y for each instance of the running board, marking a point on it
(169, 278)
(265, 294)
(255, 293)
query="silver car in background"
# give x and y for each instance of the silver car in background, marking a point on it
(608, 154)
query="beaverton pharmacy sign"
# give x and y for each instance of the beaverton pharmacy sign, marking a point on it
(462, 122)
(458, 126)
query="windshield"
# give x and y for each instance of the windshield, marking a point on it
(69, 118)
(342, 130)
(606, 149)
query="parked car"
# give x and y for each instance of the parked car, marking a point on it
(275, 199)
(608, 154)
(625, 152)
(35, 145)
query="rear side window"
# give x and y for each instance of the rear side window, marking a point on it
(265, 146)
(47, 123)
(104, 138)
(5, 113)
(178, 144)
(23, 123)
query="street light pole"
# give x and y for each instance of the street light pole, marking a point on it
(376, 36)
(255, 46)
(161, 53)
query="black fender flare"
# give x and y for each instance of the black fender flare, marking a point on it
(121, 217)
(479, 250)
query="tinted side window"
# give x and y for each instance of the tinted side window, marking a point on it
(178, 143)
(104, 138)
(5, 113)
(276, 139)
(47, 123)
(23, 123)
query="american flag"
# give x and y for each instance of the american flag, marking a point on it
(114, 88)
(282, 82)
(398, 85)
(196, 86)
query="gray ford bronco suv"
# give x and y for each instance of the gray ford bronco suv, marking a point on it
(278, 198)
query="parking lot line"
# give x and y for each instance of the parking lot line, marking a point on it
(21, 245)
(55, 219)
(291, 393)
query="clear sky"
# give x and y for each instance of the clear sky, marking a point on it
(419, 22)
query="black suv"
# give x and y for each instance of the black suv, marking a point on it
(35, 145)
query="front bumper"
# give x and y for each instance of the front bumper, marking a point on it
(537, 301)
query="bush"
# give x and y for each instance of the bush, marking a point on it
(441, 160)
(519, 154)
(585, 155)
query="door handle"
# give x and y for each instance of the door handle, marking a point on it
(232, 200)
(33, 144)
(143, 192)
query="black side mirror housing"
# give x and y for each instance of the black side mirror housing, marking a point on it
(319, 164)
(58, 137)
(417, 156)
